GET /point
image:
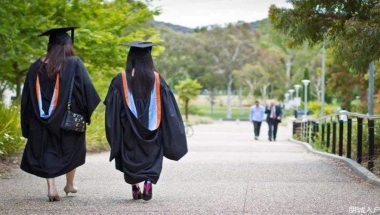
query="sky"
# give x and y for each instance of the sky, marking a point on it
(198, 13)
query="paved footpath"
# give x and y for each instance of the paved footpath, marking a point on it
(225, 172)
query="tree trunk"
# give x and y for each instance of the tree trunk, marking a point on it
(2, 89)
(18, 79)
(271, 90)
(363, 92)
(251, 87)
(212, 102)
(241, 100)
(264, 93)
(288, 65)
(229, 86)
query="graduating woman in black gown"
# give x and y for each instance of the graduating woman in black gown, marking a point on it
(143, 123)
(50, 151)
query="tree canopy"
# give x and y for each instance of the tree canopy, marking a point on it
(103, 25)
(352, 26)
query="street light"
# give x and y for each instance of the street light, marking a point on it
(305, 83)
(286, 100)
(297, 87)
(291, 103)
(297, 101)
(291, 91)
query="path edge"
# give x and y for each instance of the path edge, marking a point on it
(364, 173)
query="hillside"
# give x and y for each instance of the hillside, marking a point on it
(176, 28)
(183, 29)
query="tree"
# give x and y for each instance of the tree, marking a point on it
(230, 48)
(103, 25)
(294, 60)
(177, 60)
(188, 89)
(351, 28)
(250, 75)
(340, 21)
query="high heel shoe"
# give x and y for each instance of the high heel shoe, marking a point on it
(71, 190)
(136, 192)
(53, 196)
(148, 190)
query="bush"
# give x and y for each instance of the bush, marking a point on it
(96, 134)
(321, 146)
(196, 119)
(11, 140)
(315, 106)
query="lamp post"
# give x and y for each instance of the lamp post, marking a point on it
(286, 100)
(291, 91)
(305, 83)
(297, 87)
(323, 78)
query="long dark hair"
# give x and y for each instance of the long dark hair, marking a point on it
(142, 80)
(56, 55)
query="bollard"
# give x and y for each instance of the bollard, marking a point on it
(328, 135)
(359, 141)
(371, 145)
(341, 127)
(334, 138)
(349, 133)
(323, 134)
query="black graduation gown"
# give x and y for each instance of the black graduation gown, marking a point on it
(51, 151)
(138, 151)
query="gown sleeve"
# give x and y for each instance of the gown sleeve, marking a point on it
(173, 129)
(113, 125)
(26, 108)
(89, 97)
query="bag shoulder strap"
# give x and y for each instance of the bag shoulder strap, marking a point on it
(71, 88)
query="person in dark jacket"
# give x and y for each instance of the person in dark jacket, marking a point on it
(274, 115)
(51, 151)
(143, 122)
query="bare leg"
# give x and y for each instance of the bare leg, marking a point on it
(70, 178)
(52, 190)
(69, 188)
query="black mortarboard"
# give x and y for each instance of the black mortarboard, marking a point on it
(139, 44)
(139, 49)
(59, 35)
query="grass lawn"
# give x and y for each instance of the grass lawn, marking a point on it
(221, 112)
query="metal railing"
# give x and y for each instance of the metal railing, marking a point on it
(356, 136)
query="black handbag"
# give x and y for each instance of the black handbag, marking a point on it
(73, 121)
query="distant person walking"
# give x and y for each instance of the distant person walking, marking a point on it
(256, 116)
(274, 115)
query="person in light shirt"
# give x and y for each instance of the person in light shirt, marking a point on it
(256, 116)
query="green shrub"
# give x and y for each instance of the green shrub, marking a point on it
(320, 145)
(315, 106)
(221, 112)
(96, 134)
(196, 119)
(11, 140)
(193, 110)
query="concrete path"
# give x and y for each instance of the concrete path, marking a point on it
(225, 172)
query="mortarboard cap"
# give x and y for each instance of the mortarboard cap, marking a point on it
(139, 44)
(139, 49)
(59, 35)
